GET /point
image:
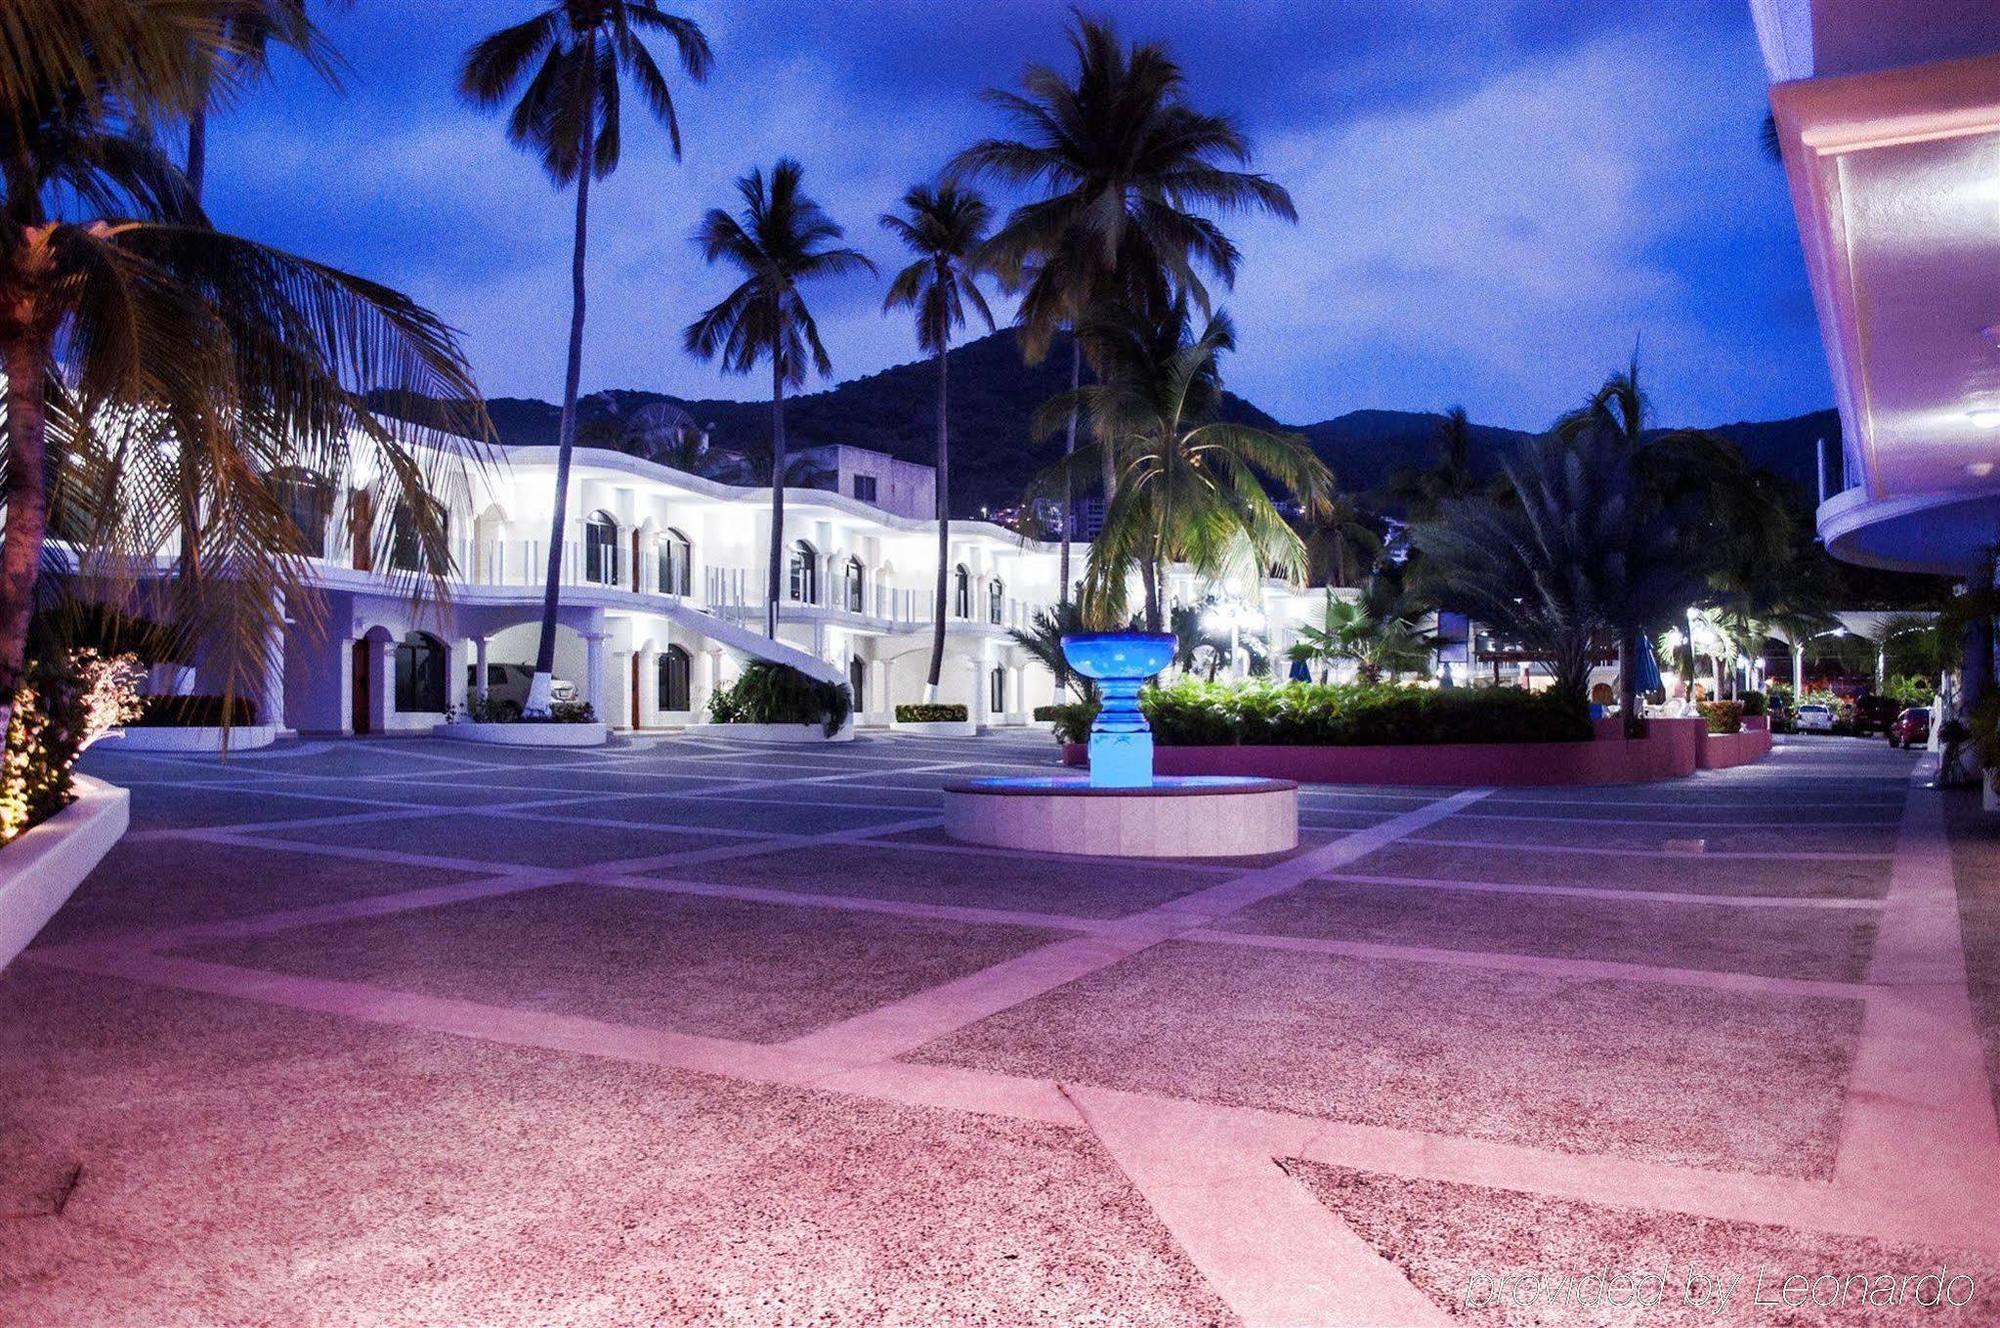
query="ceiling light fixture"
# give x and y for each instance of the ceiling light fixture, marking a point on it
(1986, 417)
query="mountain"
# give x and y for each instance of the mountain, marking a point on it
(993, 399)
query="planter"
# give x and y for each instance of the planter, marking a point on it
(42, 868)
(1671, 749)
(804, 733)
(526, 735)
(937, 728)
(1721, 751)
(1756, 723)
(168, 738)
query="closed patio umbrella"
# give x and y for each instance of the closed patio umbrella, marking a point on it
(1646, 675)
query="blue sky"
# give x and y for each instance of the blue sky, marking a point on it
(1495, 198)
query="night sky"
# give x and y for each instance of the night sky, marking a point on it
(1495, 198)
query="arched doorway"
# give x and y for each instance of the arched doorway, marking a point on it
(805, 573)
(997, 692)
(676, 563)
(675, 672)
(362, 686)
(600, 549)
(857, 680)
(420, 675)
(961, 595)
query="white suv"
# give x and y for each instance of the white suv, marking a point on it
(1815, 718)
(508, 684)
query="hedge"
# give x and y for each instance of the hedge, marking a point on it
(768, 693)
(195, 712)
(931, 714)
(1191, 713)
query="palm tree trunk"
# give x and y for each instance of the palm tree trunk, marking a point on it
(545, 649)
(197, 151)
(1628, 682)
(26, 359)
(1069, 450)
(944, 531)
(777, 492)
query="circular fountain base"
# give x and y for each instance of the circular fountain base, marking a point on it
(1190, 816)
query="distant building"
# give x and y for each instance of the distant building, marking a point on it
(900, 488)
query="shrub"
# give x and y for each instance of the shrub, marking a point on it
(1073, 720)
(768, 693)
(1723, 716)
(65, 703)
(1192, 713)
(1047, 714)
(195, 712)
(1754, 705)
(931, 714)
(488, 710)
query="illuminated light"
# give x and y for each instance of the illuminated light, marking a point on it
(1992, 334)
(1986, 417)
(1980, 469)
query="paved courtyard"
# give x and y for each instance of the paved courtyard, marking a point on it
(685, 1031)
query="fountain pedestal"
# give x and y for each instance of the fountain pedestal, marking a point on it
(1122, 809)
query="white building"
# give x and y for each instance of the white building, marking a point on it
(663, 599)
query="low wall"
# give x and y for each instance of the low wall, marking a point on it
(1671, 749)
(937, 728)
(42, 868)
(1720, 751)
(525, 735)
(176, 738)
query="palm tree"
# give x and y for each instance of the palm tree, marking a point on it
(1126, 168)
(248, 33)
(1580, 547)
(1369, 630)
(1343, 542)
(148, 355)
(1042, 639)
(1450, 475)
(944, 228)
(572, 56)
(1192, 488)
(780, 242)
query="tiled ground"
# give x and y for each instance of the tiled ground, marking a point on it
(684, 1031)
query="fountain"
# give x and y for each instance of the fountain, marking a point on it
(1122, 809)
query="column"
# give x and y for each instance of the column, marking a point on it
(382, 665)
(272, 702)
(595, 690)
(479, 667)
(711, 678)
(977, 709)
(649, 686)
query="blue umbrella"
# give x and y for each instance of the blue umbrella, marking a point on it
(1646, 669)
(1300, 673)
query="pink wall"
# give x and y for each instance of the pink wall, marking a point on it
(1671, 749)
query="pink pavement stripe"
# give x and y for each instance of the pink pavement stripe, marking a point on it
(1596, 892)
(355, 852)
(723, 852)
(368, 906)
(905, 1025)
(1538, 965)
(862, 904)
(746, 785)
(902, 1026)
(1221, 900)
(1920, 1118)
(956, 1089)
(1516, 846)
(1680, 823)
(1278, 1256)
(514, 813)
(977, 851)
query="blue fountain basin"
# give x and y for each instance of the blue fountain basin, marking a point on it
(1119, 654)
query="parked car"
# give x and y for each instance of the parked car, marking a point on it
(1814, 718)
(507, 684)
(1875, 714)
(1912, 728)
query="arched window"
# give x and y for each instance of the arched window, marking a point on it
(961, 595)
(851, 585)
(997, 691)
(676, 563)
(996, 601)
(600, 549)
(805, 573)
(420, 663)
(675, 668)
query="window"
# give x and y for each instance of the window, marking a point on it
(676, 563)
(997, 691)
(805, 573)
(406, 548)
(864, 488)
(996, 601)
(420, 674)
(961, 597)
(674, 670)
(857, 677)
(600, 549)
(851, 589)
(307, 500)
